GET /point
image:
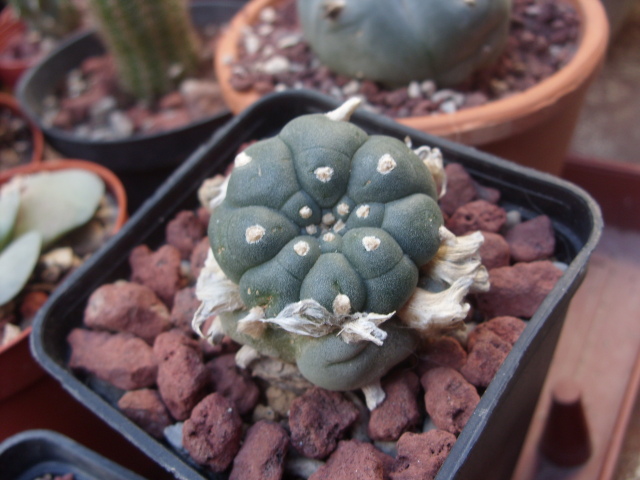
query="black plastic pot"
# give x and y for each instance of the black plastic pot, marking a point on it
(139, 152)
(34, 453)
(497, 428)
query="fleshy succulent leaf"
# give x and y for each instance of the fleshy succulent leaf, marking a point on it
(17, 262)
(54, 203)
(9, 205)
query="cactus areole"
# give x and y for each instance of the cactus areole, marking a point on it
(319, 241)
(396, 42)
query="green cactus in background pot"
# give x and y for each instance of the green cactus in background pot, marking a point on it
(152, 41)
(396, 42)
(55, 18)
(320, 238)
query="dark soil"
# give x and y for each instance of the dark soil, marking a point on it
(16, 141)
(543, 38)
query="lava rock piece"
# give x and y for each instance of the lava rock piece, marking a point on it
(122, 359)
(318, 419)
(159, 270)
(146, 409)
(213, 432)
(420, 455)
(399, 412)
(449, 398)
(127, 307)
(262, 454)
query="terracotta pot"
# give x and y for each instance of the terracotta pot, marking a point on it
(533, 128)
(19, 372)
(37, 138)
(12, 69)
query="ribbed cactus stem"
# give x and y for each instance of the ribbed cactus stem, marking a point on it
(153, 43)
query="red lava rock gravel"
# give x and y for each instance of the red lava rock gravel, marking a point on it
(122, 359)
(213, 433)
(449, 398)
(318, 419)
(518, 290)
(160, 270)
(145, 408)
(261, 456)
(420, 455)
(400, 411)
(531, 240)
(137, 337)
(355, 460)
(127, 307)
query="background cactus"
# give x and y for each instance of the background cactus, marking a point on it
(55, 18)
(153, 42)
(323, 229)
(396, 42)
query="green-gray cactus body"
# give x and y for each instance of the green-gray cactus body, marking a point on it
(325, 212)
(396, 42)
(153, 42)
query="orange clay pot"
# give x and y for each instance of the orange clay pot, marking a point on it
(533, 128)
(19, 372)
(12, 69)
(37, 138)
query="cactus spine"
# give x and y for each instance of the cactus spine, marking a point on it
(152, 41)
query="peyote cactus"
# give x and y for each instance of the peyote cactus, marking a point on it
(396, 42)
(55, 18)
(152, 41)
(319, 239)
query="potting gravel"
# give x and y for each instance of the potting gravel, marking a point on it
(266, 421)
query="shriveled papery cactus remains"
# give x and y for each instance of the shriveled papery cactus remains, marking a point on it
(328, 251)
(398, 42)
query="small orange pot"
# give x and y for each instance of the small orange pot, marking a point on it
(37, 137)
(19, 372)
(533, 128)
(12, 69)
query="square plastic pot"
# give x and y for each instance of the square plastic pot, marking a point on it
(34, 453)
(500, 421)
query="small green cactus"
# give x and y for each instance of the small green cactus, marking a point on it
(55, 18)
(319, 238)
(36, 210)
(153, 42)
(396, 42)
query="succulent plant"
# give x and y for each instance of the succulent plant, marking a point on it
(395, 42)
(318, 240)
(55, 18)
(36, 210)
(152, 41)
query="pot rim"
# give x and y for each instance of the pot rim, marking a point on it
(112, 183)
(476, 125)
